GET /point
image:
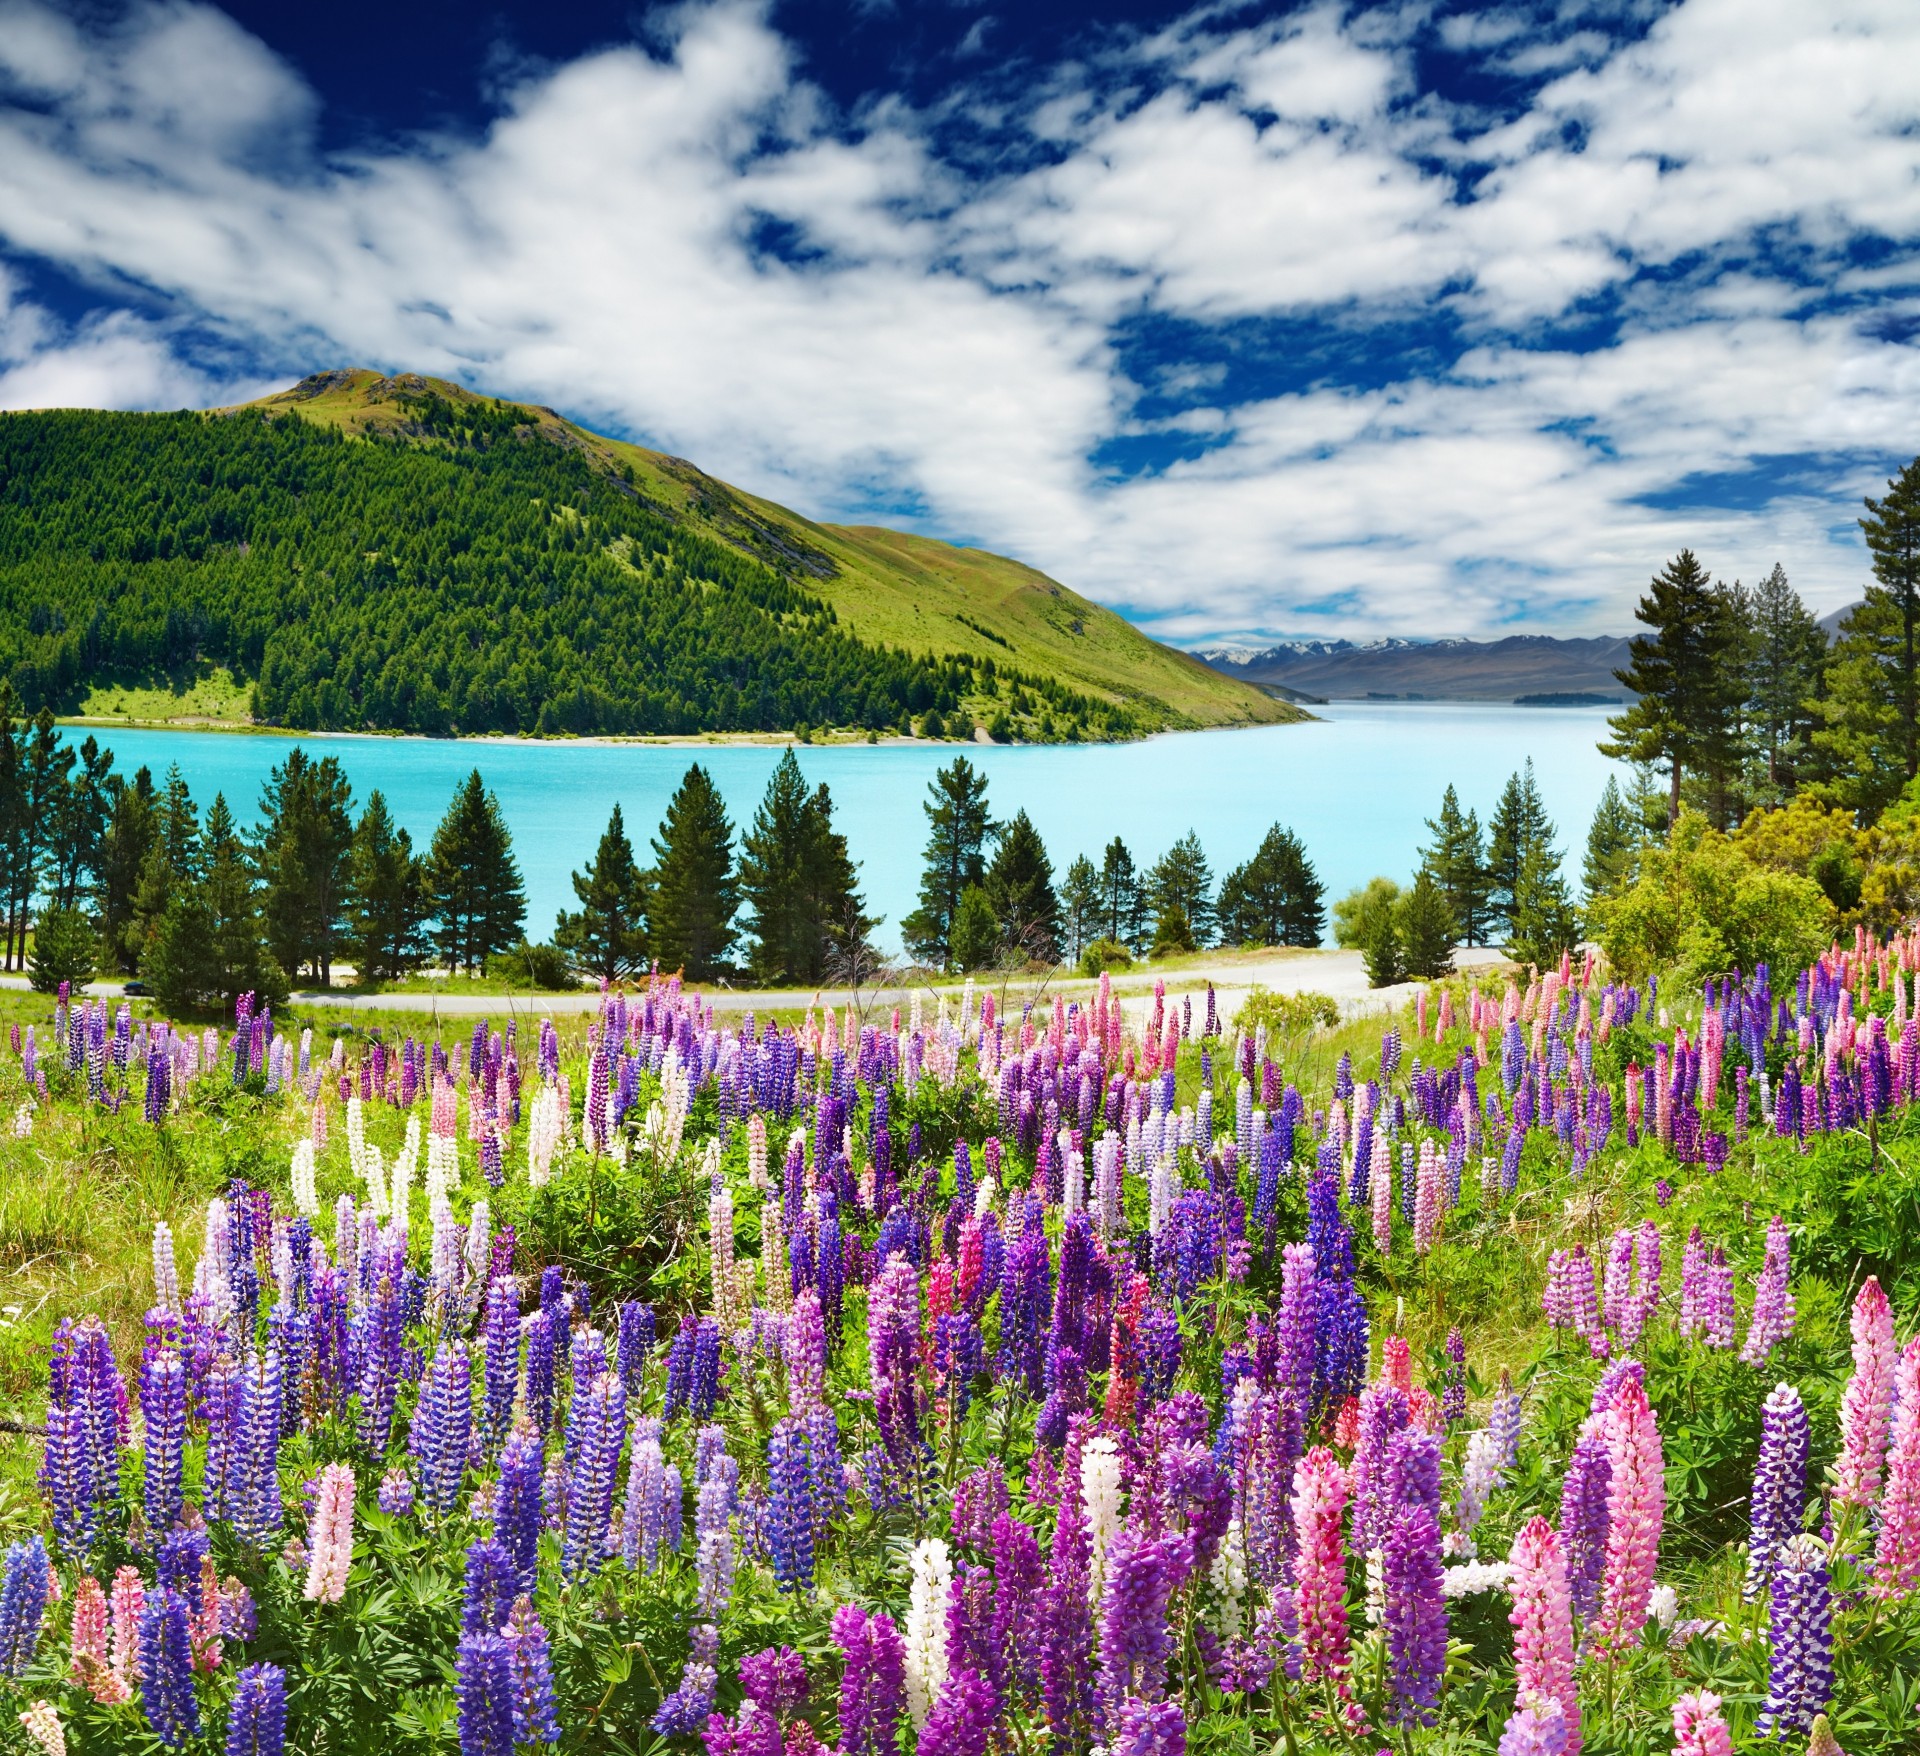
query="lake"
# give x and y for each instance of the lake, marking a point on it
(1355, 786)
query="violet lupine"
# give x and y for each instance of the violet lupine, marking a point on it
(23, 1604)
(489, 1588)
(776, 1677)
(530, 1666)
(872, 1682)
(1536, 1727)
(257, 1718)
(166, 1669)
(1320, 1490)
(597, 1431)
(516, 1502)
(790, 1507)
(1543, 1624)
(1414, 1606)
(686, 1709)
(442, 1433)
(1773, 1311)
(1866, 1408)
(483, 1689)
(163, 1403)
(1800, 1676)
(500, 1361)
(962, 1720)
(1778, 1505)
(254, 1485)
(1896, 1559)
(1142, 1574)
(1636, 1507)
(1383, 1413)
(1698, 1727)
(1583, 1515)
(1151, 1728)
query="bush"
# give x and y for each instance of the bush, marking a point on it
(64, 950)
(1356, 915)
(1287, 1014)
(533, 966)
(1104, 954)
(974, 939)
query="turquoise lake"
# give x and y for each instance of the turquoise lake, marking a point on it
(1355, 786)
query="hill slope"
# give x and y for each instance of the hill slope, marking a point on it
(398, 553)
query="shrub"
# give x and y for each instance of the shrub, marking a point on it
(1104, 954)
(1287, 1014)
(1355, 914)
(532, 966)
(975, 935)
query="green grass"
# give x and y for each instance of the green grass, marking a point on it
(208, 695)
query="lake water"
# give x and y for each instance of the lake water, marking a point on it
(1354, 786)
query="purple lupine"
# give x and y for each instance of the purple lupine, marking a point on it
(1800, 1678)
(1584, 1515)
(1142, 1574)
(1415, 1612)
(1296, 1322)
(539, 1330)
(1383, 1413)
(962, 1720)
(166, 1668)
(516, 1502)
(776, 1677)
(257, 1718)
(491, 1587)
(1453, 1395)
(1773, 1309)
(1778, 1506)
(163, 1401)
(530, 1666)
(596, 1431)
(383, 1322)
(500, 1361)
(634, 1346)
(790, 1509)
(23, 1604)
(254, 1484)
(484, 1690)
(687, 1708)
(396, 1493)
(442, 1433)
(873, 1687)
(1151, 1728)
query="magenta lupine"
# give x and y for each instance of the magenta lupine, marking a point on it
(1636, 1507)
(1773, 1311)
(1698, 1727)
(1320, 1492)
(1543, 1624)
(1896, 1559)
(873, 1688)
(1866, 1408)
(1778, 1504)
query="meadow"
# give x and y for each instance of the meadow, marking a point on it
(1535, 1371)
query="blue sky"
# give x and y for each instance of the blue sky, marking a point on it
(1255, 322)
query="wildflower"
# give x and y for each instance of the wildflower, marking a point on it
(1773, 1309)
(23, 1604)
(1866, 1408)
(1800, 1678)
(530, 1665)
(1896, 1560)
(257, 1719)
(1543, 1624)
(1319, 1498)
(42, 1723)
(166, 1669)
(873, 1682)
(484, 1691)
(330, 1536)
(1636, 1506)
(1536, 1727)
(1698, 1728)
(1778, 1505)
(926, 1646)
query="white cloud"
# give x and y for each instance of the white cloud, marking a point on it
(949, 342)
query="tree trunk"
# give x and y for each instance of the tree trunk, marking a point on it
(1673, 797)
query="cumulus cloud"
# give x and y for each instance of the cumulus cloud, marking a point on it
(1675, 261)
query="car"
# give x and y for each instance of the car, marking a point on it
(135, 988)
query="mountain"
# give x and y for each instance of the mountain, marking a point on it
(1441, 670)
(398, 553)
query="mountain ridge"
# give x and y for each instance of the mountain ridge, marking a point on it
(1504, 669)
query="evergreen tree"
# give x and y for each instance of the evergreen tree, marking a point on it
(44, 765)
(1612, 841)
(1381, 950)
(16, 874)
(1426, 927)
(695, 892)
(305, 862)
(1123, 909)
(607, 935)
(242, 963)
(1872, 705)
(976, 931)
(1784, 674)
(1458, 861)
(1080, 906)
(1519, 823)
(132, 826)
(81, 815)
(955, 854)
(64, 949)
(1173, 934)
(1182, 882)
(390, 897)
(1545, 923)
(1019, 886)
(477, 894)
(1275, 898)
(798, 883)
(172, 862)
(1686, 677)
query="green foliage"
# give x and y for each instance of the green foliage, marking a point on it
(477, 895)
(304, 860)
(1356, 913)
(546, 968)
(1382, 949)
(696, 893)
(1544, 922)
(1079, 906)
(1287, 1015)
(975, 939)
(1702, 905)
(1275, 898)
(798, 883)
(1457, 859)
(959, 827)
(1101, 955)
(1426, 927)
(1519, 825)
(1019, 886)
(607, 935)
(391, 897)
(65, 949)
(1121, 913)
(1612, 841)
(1179, 891)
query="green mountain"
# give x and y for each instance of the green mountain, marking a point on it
(400, 554)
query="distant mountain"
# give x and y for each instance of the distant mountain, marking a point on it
(1830, 622)
(1438, 670)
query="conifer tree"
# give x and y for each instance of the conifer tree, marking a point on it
(390, 898)
(1181, 882)
(799, 883)
(1275, 898)
(304, 858)
(132, 827)
(607, 935)
(477, 895)
(959, 826)
(976, 932)
(1545, 923)
(695, 891)
(1080, 906)
(1519, 823)
(81, 814)
(1612, 841)
(1458, 861)
(1426, 926)
(1019, 888)
(172, 861)
(1123, 911)
(1785, 672)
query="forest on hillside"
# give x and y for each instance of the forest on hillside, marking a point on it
(468, 576)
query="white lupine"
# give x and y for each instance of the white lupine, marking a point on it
(305, 1199)
(443, 1167)
(720, 1260)
(212, 1274)
(1478, 1478)
(757, 1151)
(926, 1631)
(401, 1173)
(1472, 1577)
(1106, 1183)
(356, 1137)
(1100, 1500)
(479, 1240)
(1228, 1576)
(23, 1121)
(166, 1271)
(374, 1168)
(983, 1194)
(1073, 1176)
(448, 1238)
(543, 1135)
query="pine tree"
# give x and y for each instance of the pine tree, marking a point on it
(1545, 923)
(477, 895)
(1612, 841)
(955, 857)
(45, 761)
(1686, 677)
(132, 826)
(1019, 887)
(1381, 950)
(1123, 909)
(65, 949)
(1275, 898)
(1181, 881)
(1080, 906)
(1785, 673)
(15, 843)
(1872, 705)
(976, 932)
(390, 897)
(172, 862)
(1458, 861)
(1519, 823)
(695, 891)
(242, 963)
(1426, 926)
(798, 883)
(607, 935)
(305, 856)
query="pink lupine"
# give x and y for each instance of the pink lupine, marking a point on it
(1636, 1505)
(1380, 1192)
(1543, 1623)
(92, 1670)
(1866, 1410)
(128, 1600)
(1396, 1362)
(1426, 1206)
(330, 1537)
(1896, 1560)
(1698, 1729)
(1320, 1490)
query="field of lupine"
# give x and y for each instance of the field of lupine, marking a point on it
(1536, 1374)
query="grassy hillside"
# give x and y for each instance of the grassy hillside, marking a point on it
(886, 587)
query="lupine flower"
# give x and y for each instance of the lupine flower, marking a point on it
(530, 1665)
(1821, 1741)
(1151, 1728)
(597, 1429)
(257, 1718)
(1142, 1575)
(166, 1669)
(872, 1683)
(91, 1667)
(1319, 1498)
(490, 1588)
(163, 1401)
(1773, 1310)
(330, 1536)
(1800, 1677)
(484, 1691)
(1896, 1559)
(776, 1677)
(1536, 1727)
(23, 1604)
(1866, 1408)
(1778, 1506)
(926, 1645)
(516, 1502)
(1636, 1506)
(442, 1432)
(1415, 1613)
(396, 1493)
(790, 1512)
(41, 1721)
(1543, 1625)
(687, 1708)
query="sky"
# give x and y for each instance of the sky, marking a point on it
(1289, 321)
